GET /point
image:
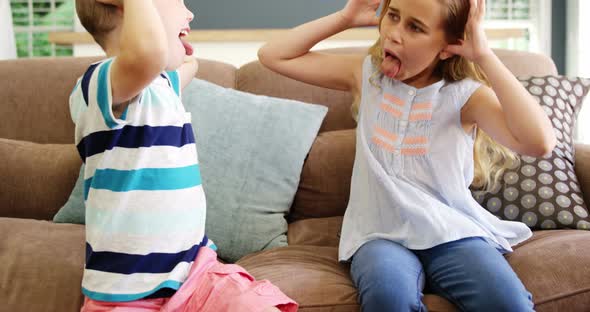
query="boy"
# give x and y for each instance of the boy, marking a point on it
(146, 248)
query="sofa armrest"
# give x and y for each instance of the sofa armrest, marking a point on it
(37, 179)
(582, 167)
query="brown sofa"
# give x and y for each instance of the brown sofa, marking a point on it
(41, 262)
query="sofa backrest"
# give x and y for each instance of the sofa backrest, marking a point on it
(34, 95)
(34, 105)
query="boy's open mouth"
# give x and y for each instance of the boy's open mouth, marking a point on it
(391, 64)
(187, 46)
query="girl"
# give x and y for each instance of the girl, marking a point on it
(423, 105)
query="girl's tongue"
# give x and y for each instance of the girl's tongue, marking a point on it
(390, 66)
(187, 47)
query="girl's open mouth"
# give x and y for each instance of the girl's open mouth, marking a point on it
(391, 64)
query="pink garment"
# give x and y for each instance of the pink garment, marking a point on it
(211, 287)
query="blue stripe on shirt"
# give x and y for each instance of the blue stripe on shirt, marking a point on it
(175, 81)
(149, 179)
(122, 263)
(135, 137)
(103, 94)
(86, 81)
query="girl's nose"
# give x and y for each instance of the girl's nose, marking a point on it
(190, 16)
(394, 35)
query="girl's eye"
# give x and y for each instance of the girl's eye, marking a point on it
(393, 16)
(415, 28)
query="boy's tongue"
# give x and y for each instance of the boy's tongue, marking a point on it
(187, 47)
(390, 66)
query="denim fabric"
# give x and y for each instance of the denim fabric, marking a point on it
(469, 272)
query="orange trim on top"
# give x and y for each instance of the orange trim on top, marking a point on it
(420, 116)
(384, 133)
(413, 151)
(386, 146)
(415, 140)
(393, 99)
(386, 107)
(421, 106)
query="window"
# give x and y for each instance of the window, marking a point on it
(578, 48)
(34, 19)
(525, 24)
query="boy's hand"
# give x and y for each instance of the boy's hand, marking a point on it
(361, 12)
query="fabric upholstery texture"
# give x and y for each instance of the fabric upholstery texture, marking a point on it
(41, 178)
(544, 192)
(251, 151)
(43, 261)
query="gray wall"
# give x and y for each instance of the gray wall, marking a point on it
(242, 14)
(558, 34)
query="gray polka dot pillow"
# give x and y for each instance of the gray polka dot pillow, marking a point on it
(544, 193)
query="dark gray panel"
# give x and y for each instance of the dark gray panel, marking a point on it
(558, 34)
(244, 14)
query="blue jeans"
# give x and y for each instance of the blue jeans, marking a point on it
(469, 272)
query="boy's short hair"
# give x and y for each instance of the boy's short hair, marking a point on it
(98, 19)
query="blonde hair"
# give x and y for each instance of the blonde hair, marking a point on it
(99, 19)
(490, 158)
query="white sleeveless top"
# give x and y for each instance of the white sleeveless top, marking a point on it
(412, 170)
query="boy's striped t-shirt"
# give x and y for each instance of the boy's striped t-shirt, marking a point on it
(145, 206)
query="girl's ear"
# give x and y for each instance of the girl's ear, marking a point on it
(445, 54)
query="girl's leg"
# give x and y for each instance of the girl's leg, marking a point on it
(474, 276)
(388, 277)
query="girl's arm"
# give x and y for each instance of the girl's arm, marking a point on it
(142, 49)
(289, 54)
(507, 112)
(187, 70)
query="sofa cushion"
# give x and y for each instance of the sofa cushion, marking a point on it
(251, 153)
(73, 210)
(257, 79)
(553, 266)
(315, 232)
(544, 192)
(325, 179)
(42, 265)
(583, 169)
(312, 276)
(36, 178)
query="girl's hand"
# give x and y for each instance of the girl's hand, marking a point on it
(192, 62)
(475, 46)
(359, 13)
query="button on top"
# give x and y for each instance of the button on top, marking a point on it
(411, 92)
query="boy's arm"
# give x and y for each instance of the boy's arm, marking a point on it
(143, 49)
(290, 54)
(187, 71)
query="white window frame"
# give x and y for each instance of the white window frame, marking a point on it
(539, 26)
(577, 47)
(32, 29)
